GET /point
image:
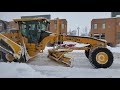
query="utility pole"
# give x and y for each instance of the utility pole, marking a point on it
(78, 30)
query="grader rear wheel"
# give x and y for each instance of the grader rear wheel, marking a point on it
(101, 58)
(9, 57)
(2, 57)
(6, 57)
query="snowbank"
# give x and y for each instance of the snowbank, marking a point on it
(18, 70)
(67, 72)
(42, 67)
(114, 49)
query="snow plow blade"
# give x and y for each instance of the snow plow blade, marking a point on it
(59, 56)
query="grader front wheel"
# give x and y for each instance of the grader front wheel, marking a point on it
(101, 58)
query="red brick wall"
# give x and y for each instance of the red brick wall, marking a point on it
(61, 21)
(110, 31)
(12, 24)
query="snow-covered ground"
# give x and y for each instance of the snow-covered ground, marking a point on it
(19, 70)
(43, 67)
(114, 49)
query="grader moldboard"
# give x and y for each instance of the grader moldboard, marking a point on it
(32, 37)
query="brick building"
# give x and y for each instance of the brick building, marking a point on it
(62, 24)
(3, 26)
(107, 28)
(13, 25)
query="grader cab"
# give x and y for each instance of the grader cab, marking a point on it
(32, 38)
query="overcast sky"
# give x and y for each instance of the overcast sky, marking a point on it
(75, 19)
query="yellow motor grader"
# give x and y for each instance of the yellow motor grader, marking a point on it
(32, 37)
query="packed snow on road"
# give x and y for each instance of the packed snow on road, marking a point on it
(43, 67)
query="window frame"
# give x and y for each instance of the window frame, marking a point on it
(118, 36)
(95, 26)
(119, 23)
(63, 26)
(55, 26)
(104, 25)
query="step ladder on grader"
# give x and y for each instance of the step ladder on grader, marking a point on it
(32, 37)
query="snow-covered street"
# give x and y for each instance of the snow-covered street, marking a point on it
(81, 67)
(43, 67)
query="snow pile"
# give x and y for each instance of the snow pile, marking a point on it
(114, 49)
(77, 44)
(118, 45)
(81, 67)
(18, 70)
(47, 48)
(68, 72)
(43, 67)
(66, 42)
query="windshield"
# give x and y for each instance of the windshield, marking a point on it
(38, 26)
(33, 29)
(42, 26)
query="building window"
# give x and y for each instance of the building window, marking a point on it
(96, 36)
(119, 23)
(94, 26)
(103, 26)
(102, 36)
(118, 36)
(63, 26)
(55, 25)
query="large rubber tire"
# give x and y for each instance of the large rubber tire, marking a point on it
(2, 57)
(93, 56)
(87, 53)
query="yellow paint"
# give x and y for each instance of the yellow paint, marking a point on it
(16, 48)
(85, 40)
(45, 41)
(102, 58)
